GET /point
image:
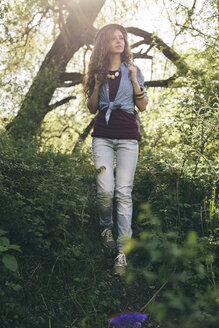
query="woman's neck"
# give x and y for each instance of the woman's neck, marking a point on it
(114, 62)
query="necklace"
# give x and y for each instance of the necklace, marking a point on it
(113, 76)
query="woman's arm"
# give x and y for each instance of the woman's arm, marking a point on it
(142, 102)
(93, 100)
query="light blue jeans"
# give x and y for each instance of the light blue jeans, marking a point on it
(125, 151)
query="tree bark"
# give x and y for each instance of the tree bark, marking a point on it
(83, 136)
(78, 31)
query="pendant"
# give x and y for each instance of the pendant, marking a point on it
(113, 76)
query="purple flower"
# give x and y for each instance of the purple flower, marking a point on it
(128, 320)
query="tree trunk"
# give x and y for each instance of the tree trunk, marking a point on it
(78, 31)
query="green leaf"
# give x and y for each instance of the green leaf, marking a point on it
(2, 232)
(17, 287)
(10, 262)
(3, 248)
(15, 247)
(4, 241)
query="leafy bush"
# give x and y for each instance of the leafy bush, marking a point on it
(184, 268)
(8, 260)
(65, 278)
(43, 207)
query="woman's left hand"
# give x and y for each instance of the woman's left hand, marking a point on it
(133, 72)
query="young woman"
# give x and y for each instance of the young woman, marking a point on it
(114, 86)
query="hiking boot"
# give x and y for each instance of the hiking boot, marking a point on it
(120, 263)
(107, 238)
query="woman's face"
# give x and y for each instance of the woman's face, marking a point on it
(117, 43)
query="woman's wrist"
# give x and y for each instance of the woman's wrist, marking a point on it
(140, 95)
(135, 84)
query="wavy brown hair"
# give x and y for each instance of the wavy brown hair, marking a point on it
(99, 60)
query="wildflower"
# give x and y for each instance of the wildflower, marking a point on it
(128, 320)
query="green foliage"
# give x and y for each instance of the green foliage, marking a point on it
(36, 192)
(182, 267)
(8, 268)
(197, 114)
(183, 202)
(8, 260)
(42, 203)
(65, 279)
(181, 123)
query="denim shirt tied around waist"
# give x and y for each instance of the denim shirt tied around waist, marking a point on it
(125, 95)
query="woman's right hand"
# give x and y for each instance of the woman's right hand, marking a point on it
(93, 100)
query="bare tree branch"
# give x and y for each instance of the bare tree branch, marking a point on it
(82, 136)
(153, 40)
(61, 102)
(160, 83)
(78, 79)
(137, 44)
(142, 55)
(73, 77)
(65, 128)
(188, 18)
